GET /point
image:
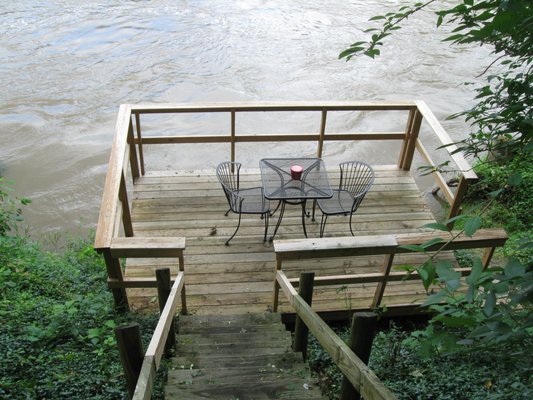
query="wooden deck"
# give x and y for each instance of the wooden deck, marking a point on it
(239, 278)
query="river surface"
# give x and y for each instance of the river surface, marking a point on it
(68, 65)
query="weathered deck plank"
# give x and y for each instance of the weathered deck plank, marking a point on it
(239, 278)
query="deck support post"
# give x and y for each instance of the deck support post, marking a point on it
(301, 331)
(131, 353)
(162, 276)
(362, 334)
(114, 271)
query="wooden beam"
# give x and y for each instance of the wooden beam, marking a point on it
(356, 371)
(436, 175)
(143, 389)
(301, 249)
(157, 343)
(273, 137)
(147, 246)
(108, 208)
(445, 139)
(272, 106)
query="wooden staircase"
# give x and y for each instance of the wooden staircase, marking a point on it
(237, 357)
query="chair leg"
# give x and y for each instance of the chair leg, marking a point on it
(314, 206)
(227, 212)
(234, 233)
(323, 224)
(351, 230)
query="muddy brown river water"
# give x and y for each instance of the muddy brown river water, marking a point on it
(68, 65)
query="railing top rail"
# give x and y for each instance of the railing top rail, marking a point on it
(460, 161)
(299, 249)
(108, 208)
(270, 106)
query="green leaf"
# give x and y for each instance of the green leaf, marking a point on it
(413, 247)
(472, 225)
(475, 273)
(432, 242)
(514, 179)
(490, 303)
(445, 271)
(457, 322)
(514, 268)
(434, 299)
(437, 226)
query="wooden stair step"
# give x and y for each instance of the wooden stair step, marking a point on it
(285, 360)
(260, 338)
(195, 322)
(245, 356)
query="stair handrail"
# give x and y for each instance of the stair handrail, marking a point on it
(353, 368)
(140, 375)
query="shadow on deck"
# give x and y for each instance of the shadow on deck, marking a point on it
(239, 278)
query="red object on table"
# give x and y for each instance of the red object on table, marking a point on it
(296, 172)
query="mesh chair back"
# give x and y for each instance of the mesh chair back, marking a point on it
(228, 176)
(356, 178)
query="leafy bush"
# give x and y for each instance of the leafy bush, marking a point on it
(57, 333)
(395, 358)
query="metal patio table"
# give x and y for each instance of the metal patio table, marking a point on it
(278, 183)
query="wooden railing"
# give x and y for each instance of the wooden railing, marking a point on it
(363, 380)
(386, 245)
(127, 158)
(140, 370)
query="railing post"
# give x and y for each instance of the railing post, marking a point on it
(114, 271)
(131, 353)
(275, 297)
(408, 148)
(233, 135)
(362, 335)
(126, 212)
(487, 257)
(139, 138)
(164, 286)
(134, 163)
(380, 289)
(301, 331)
(322, 133)
(455, 207)
(183, 295)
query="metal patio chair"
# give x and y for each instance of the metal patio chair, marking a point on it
(355, 181)
(242, 201)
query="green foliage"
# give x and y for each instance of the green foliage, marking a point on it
(513, 206)
(502, 119)
(483, 374)
(488, 308)
(396, 360)
(10, 208)
(57, 332)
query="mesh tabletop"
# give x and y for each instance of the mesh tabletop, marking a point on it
(279, 185)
